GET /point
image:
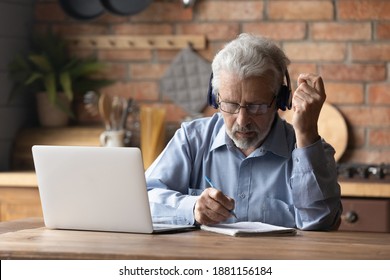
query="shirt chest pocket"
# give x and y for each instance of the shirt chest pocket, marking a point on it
(277, 212)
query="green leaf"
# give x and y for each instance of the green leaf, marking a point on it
(66, 84)
(34, 76)
(87, 68)
(50, 85)
(41, 62)
(71, 64)
(52, 46)
(49, 67)
(64, 108)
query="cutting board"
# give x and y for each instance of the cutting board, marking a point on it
(331, 126)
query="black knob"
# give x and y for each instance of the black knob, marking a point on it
(350, 217)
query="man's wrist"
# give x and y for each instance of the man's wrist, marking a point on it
(306, 139)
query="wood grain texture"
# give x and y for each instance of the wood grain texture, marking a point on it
(42, 243)
(170, 42)
(365, 189)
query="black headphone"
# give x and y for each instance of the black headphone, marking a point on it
(283, 99)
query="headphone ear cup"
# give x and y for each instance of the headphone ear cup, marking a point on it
(283, 100)
(214, 102)
(211, 99)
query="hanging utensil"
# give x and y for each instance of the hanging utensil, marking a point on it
(82, 10)
(91, 103)
(117, 111)
(128, 110)
(126, 8)
(105, 107)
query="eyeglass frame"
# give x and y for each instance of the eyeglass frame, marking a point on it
(247, 106)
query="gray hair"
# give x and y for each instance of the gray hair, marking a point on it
(248, 56)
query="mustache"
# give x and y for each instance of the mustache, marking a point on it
(244, 129)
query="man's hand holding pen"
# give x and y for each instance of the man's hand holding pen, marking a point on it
(213, 207)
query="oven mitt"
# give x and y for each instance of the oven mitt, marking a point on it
(186, 81)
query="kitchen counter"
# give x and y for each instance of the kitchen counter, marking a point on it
(19, 198)
(348, 188)
(18, 179)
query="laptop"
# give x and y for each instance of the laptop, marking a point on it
(96, 189)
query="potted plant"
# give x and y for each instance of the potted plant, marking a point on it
(50, 72)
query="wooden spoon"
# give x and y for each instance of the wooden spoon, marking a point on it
(105, 106)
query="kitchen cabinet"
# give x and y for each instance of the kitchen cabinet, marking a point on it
(366, 201)
(19, 196)
(366, 214)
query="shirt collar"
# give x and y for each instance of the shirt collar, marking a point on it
(221, 139)
(276, 141)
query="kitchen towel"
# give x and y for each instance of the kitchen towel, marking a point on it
(186, 81)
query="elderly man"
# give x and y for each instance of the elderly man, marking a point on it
(245, 163)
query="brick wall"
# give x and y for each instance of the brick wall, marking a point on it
(346, 41)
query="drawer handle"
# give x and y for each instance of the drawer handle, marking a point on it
(350, 217)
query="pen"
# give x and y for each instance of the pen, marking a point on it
(208, 180)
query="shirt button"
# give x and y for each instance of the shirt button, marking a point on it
(297, 160)
(242, 195)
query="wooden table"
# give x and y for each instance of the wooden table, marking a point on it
(29, 239)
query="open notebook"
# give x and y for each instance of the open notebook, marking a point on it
(95, 188)
(250, 229)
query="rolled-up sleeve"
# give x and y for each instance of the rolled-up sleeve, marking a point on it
(316, 192)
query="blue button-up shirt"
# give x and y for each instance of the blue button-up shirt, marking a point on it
(277, 184)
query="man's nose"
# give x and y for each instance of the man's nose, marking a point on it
(243, 118)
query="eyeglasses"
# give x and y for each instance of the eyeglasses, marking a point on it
(252, 109)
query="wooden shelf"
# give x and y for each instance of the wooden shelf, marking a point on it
(365, 189)
(67, 136)
(138, 42)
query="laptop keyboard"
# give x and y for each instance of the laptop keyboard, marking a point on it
(157, 226)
